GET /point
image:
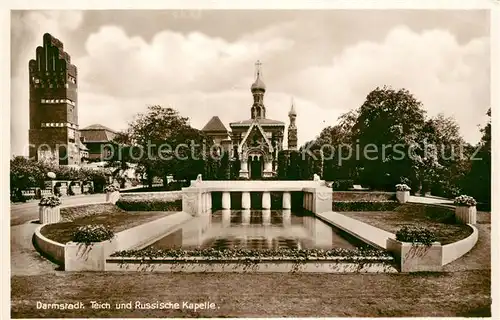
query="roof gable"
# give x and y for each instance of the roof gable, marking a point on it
(214, 125)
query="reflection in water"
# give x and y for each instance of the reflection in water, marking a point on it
(254, 229)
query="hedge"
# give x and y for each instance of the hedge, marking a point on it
(365, 206)
(149, 205)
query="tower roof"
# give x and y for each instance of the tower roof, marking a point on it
(292, 111)
(214, 125)
(258, 83)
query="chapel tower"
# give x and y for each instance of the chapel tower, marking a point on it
(258, 89)
(292, 128)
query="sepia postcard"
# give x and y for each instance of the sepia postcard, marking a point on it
(288, 159)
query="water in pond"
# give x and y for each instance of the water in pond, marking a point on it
(256, 229)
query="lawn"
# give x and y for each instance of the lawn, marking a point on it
(441, 220)
(106, 214)
(465, 293)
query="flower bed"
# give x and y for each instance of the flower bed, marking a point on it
(245, 260)
(415, 234)
(439, 219)
(296, 255)
(132, 204)
(92, 233)
(364, 206)
(105, 214)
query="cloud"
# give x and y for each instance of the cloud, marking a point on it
(171, 62)
(27, 32)
(446, 76)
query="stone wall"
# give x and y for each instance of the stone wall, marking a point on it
(355, 196)
(53, 250)
(163, 265)
(455, 250)
(416, 257)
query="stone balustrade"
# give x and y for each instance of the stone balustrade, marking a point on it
(197, 198)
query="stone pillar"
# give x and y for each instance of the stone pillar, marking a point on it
(112, 197)
(266, 217)
(209, 201)
(287, 200)
(268, 169)
(321, 200)
(226, 218)
(245, 200)
(226, 200)
(266, 200)
(245, 217)
(287, 218)
(192, 202)
(48, 214)
(203, 202)
(403, 196)
(466, 215)
(269, 241)
(244, 168)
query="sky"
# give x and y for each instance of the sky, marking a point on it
(202, 63)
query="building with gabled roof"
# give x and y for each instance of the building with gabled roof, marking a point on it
(99, 141)
(256, 141)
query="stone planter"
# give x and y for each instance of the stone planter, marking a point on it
(48, 214)
(403, 196)
(112, 197)
(415, 257)
(465, 214)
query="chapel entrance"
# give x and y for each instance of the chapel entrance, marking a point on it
(256, 165)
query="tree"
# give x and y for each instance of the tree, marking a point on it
(477, 183)
(25, 174)
(163, 143)
(388, 118)
(444, 161)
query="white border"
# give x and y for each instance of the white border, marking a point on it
(493, 5)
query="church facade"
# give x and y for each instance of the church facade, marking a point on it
(255, 141)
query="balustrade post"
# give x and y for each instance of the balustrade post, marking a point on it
(226, 200)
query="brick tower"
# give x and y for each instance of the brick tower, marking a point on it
(53, 134)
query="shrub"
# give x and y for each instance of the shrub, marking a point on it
(50, 201)
(92, 233)
(364, 206)
(402, 187)
(416, 235)
(111, 188)
(465, 201)
(149, 205)
(342, 185)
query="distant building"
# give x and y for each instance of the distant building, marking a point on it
(257, 140)
(97, 138)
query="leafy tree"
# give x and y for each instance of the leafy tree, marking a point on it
(477, 183)
(163, 143)
(388, 123)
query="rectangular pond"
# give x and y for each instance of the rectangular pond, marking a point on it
(256, 230)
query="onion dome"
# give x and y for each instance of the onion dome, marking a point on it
(258, 84)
